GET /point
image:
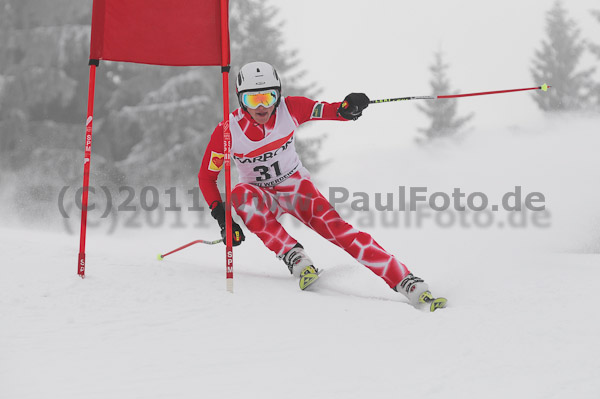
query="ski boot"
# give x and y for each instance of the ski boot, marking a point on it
(417, 292)
(300, 265)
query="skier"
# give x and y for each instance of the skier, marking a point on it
(273, 181)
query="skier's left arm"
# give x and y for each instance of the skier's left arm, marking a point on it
(304, 109)
(353, 106)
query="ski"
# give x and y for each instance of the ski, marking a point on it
(309, 276)
(434, 303)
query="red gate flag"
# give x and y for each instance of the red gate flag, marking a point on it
(159, 32)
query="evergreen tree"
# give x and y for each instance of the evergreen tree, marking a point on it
(556, 63)
(595, 49)
(442, 114)
(43, 87)
(151, 122)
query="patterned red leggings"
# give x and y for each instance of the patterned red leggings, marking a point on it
(260, 207)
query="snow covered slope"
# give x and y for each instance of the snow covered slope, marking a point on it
(137, 327)
(521, 326)
(522, 318)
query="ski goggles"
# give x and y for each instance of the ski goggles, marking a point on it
(254, 99)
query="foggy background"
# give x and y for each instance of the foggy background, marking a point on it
(152, 123)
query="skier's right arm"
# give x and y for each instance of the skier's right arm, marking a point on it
(212, 163)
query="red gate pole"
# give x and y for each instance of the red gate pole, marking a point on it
(86, 167)
(227, 142)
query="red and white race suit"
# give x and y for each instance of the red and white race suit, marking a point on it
(273, 181)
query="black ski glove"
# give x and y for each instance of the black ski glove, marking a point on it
(218, 213)
(353, 106)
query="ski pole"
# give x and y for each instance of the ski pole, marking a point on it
(543, 87)
(161, 257)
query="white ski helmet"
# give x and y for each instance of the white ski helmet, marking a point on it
(257, 76)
